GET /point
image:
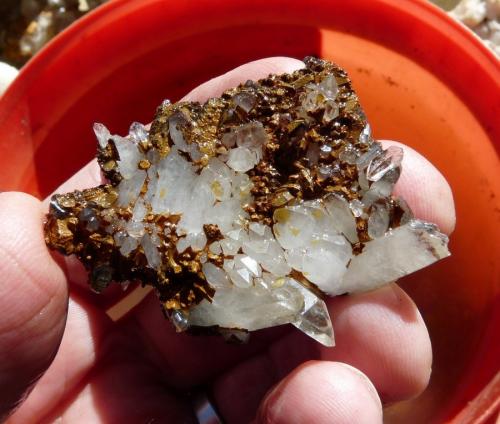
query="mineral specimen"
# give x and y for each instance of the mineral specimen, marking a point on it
(246, 211)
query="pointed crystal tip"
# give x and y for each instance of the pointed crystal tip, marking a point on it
(326, 339)
(314, 320)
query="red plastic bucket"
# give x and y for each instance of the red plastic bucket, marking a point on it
(421, 77)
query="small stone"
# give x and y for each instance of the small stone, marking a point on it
(293, 226)
(312, 100)
(57, 209)
(100, 277)
(357, 207)
(327, 171)
(344, 220)
(128, 245)
(403, 250)
(140, 210)
(251, 264)
(130, 188)
(215, 248)
(364, 160)
(175, 125)
(88, 217)
(325, 151)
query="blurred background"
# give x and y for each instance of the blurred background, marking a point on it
(27, 25)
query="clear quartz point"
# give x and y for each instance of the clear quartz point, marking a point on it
(365, 135)
(314, 319)
(179, 320)
(378, 222)
(380, 165)
(102, 134)
(364, 160)
(138, 132)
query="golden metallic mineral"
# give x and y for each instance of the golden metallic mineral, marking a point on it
(245, 211)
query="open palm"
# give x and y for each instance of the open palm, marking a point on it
(138, 370)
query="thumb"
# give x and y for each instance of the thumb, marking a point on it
(33, 299)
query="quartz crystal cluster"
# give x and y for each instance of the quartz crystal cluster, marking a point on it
(246, 211)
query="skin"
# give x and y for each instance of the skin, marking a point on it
(62, 359)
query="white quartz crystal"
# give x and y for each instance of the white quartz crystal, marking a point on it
(378, 222)
(242, 159)
(293, 226)
(342, 217)
(138, 132)
(218, 177)
(129, 156)
(399, 252)
(328, 87)
(215, 276)
(250, 308)
(129, 244)
(151, 251)
(139, 211)
(130, 188)
(102, 134)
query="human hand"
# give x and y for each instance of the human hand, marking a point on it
(139, 370)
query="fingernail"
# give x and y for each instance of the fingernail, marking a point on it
(366, 380)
